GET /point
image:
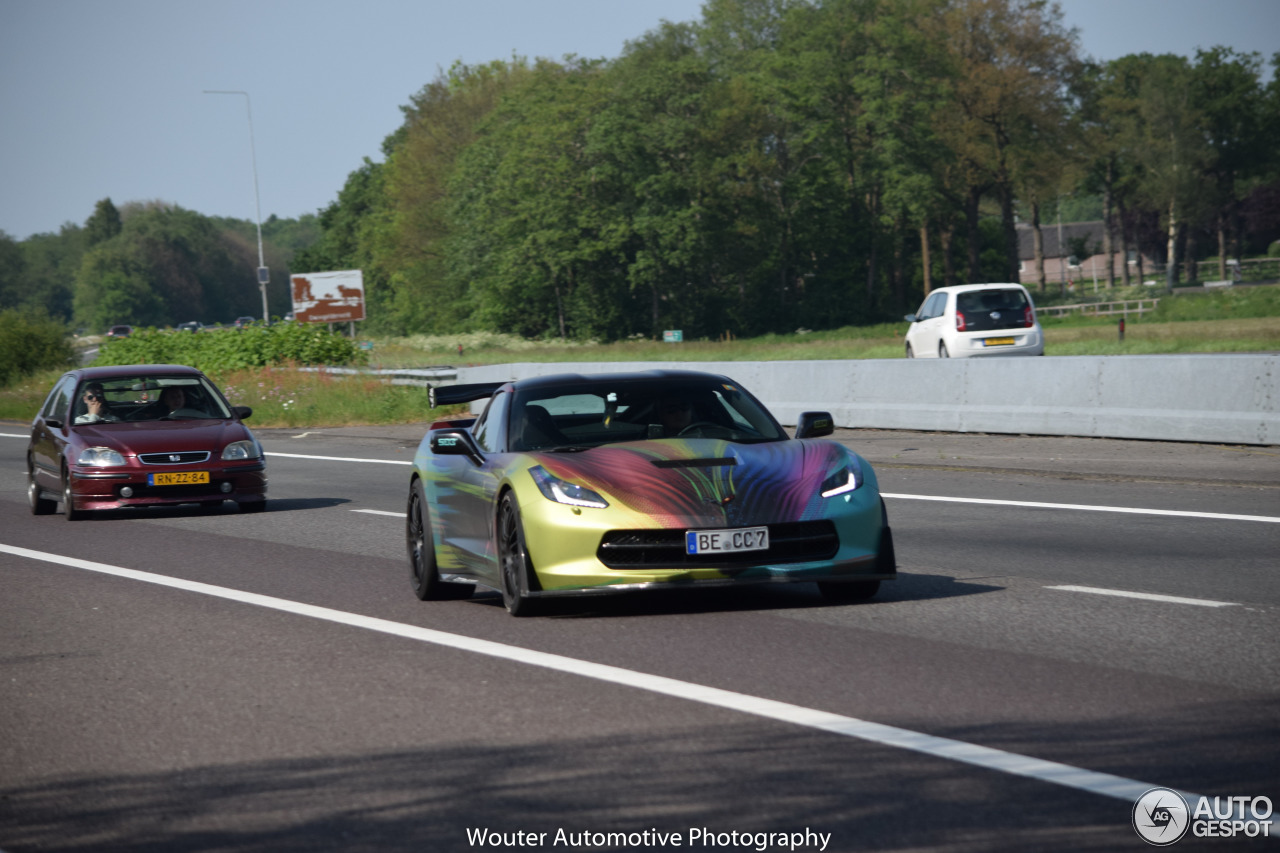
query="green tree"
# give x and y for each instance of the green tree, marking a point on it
(31, 341)
(524, 215)
(167, 265)
(12, 272)
(104, 224)
(1013, 66)
(1166, 141)
(1228, 93)
(441, 122)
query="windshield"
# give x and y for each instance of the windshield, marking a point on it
(151, 397)
(589, 415)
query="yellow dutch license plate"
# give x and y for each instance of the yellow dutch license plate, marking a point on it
(178, 478)
(998, 342)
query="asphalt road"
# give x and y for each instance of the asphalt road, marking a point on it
(171, 680)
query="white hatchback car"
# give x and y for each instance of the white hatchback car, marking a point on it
(968, 320)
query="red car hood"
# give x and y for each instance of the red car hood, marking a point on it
(131, 439)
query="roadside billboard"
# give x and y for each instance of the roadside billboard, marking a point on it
(328, 297)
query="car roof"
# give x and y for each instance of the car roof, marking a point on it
(118, 370)
(965, 288)
(591, 379)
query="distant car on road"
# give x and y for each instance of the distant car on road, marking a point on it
(241, 322)
(140, 436)
(191, 326)
(972, 320)
(119, 331)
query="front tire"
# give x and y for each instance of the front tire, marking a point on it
(910, 352)
(513, 559)
(68, 500)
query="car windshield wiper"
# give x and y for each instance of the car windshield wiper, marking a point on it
(570, 448)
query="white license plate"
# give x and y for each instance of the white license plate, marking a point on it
(726, 541)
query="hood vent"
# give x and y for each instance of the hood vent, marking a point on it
(710, 462)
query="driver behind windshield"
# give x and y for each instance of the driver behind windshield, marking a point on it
(676, 413)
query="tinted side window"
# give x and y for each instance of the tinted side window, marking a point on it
(490, 430)
(59, 400)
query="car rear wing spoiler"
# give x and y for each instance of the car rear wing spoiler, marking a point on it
(448, 395)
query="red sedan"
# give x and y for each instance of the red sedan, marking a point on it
(141, 435)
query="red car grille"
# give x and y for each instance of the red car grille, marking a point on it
(182, 457)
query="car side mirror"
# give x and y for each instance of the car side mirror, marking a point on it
(53, 422)
(455, 442)
(911, 318)
(815, 425)
(242, 412)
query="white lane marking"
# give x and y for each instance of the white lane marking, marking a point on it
(380, 512)
(1147, 596)
(338, 458)
(1221, 516)
(12, 435)
(1103, 784)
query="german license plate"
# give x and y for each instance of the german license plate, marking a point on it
(726, 541)
(178, 478)
(998, 342)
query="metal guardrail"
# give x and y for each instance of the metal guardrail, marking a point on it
(421, 377)
(1101, 309)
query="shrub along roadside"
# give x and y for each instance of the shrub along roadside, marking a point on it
(29, 343)
(234, 349)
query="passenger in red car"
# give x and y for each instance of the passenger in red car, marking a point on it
(95, 403)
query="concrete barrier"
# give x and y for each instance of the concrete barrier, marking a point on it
(1230, 399)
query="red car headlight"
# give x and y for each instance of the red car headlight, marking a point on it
(100, 457)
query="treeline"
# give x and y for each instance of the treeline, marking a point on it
(150, 264)
(777, 164)
(783, 164)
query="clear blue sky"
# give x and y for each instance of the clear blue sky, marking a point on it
(103, 98)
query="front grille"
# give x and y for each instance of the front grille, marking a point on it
(182, 457)
(790, 542)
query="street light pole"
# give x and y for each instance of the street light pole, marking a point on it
(263, 276)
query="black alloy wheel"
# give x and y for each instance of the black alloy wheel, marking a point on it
(513, 559)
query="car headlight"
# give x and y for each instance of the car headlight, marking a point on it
(845, 480)
(100, 457)
(563, 492)
(238, 451)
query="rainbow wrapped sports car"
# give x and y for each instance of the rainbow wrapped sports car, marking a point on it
(571, 485)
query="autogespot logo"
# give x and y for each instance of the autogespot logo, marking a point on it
(1161, 816)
